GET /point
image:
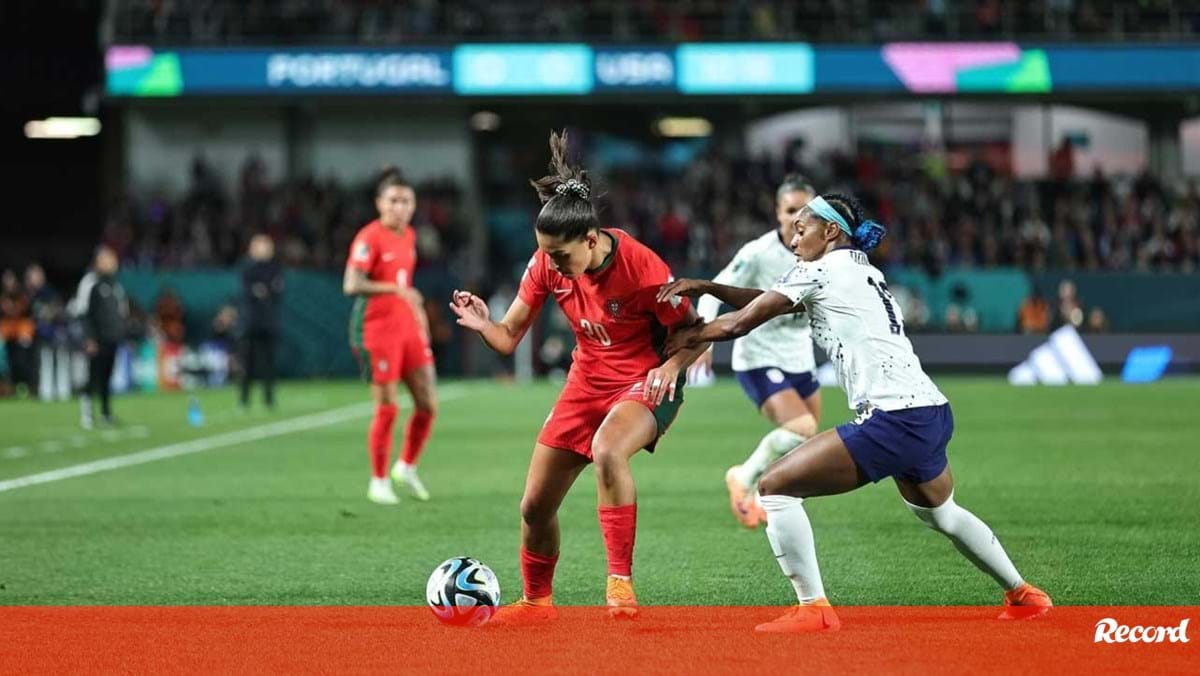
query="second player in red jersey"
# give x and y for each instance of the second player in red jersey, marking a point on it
(389, 333)
(621, 394)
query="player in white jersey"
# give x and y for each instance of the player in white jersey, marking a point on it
(774, 365)
(904, 422)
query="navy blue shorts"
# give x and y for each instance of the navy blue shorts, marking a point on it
(908, 444)
(760, 384)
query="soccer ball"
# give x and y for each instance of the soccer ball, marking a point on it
(463, 592)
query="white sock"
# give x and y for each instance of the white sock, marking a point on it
(972, 538)
(791, 540)
(773, 446)
(381, 482)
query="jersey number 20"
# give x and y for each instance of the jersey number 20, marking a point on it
(886, 297)
(596, 331)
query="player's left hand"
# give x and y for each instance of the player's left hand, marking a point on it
(659, 382)
(684, 338)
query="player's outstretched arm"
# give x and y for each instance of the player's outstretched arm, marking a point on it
(734, 296)
(766, 306)
(502, 336)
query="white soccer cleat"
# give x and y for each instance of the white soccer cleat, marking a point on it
(380, 492)
(406, 475)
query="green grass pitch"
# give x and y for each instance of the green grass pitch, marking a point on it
(1095, 492)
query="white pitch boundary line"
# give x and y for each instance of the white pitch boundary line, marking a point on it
(297, 424)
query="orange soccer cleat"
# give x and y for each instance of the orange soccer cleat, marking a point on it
(741, 500)
(619, 596)
(525, 612)
(804, 619)
(1025, 603)
(754, 508)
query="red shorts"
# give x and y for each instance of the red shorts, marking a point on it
(392, 360)
(581, 408)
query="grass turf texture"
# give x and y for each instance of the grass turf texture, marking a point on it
(1094, 492)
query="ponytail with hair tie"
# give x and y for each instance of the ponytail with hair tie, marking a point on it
(868, 235)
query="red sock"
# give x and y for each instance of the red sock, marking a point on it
(538, 572)
(420, 423)
(619, 525)
(379, 439)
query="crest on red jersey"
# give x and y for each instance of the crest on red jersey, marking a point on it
(614, 307)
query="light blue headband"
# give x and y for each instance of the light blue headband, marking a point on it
(822, 208)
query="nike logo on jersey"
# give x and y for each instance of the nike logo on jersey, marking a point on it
(559, 292)
(387, 257)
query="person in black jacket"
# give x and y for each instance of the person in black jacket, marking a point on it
(103, 310)
(262, 291)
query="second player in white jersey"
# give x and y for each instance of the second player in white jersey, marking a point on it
(858, 323)
(774, 365)
(904, 423)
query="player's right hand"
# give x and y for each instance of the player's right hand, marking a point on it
(472, 312)
(681, 287)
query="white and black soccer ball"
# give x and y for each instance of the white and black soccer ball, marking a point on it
(463, 592)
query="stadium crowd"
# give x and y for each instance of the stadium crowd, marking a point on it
(312, 220)
(373, 22)
(973, 216)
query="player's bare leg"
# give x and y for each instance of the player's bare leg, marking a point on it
(933, 503)
(627, 428)
(422, 386)
(379, 443)
(796, 420)
(552, 472)
(822, 466)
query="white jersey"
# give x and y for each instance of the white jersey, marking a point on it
(859, 325)
(784, 342)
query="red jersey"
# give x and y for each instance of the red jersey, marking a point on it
(619, 326)
(385, 256)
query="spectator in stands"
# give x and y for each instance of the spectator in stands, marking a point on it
(961, 316)
(1070, 309)
(912, 306)
(1034, 315)
(1097, 321)
(49, 316)
(1062, 161)
(17, 330)
(169, 316)
(103, 309)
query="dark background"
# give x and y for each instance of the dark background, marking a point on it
(50, 65)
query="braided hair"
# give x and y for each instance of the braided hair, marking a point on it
(867, 233)
(567, 210)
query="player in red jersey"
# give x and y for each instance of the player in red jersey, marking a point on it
(390, 334)
(621, 393)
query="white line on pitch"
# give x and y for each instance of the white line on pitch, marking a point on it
(297, 424)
